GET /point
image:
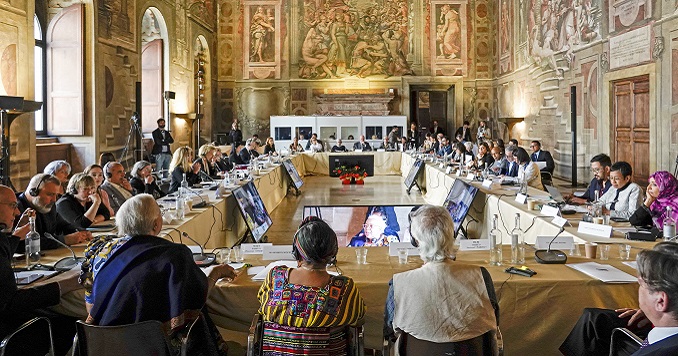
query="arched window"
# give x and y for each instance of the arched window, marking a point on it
(40, 75)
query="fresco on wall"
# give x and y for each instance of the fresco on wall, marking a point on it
(625, 13)
(505, 40)
(115, 21)
(8, 59)
(363, 39)
(555, 26)
(448, 37)
(262, 43)
(262, 29)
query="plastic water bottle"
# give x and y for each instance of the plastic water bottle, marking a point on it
(32, 245)
(495, 243)
(517, 243)
(669, 225)
(179, 208)
(183, 190)
(523, 186)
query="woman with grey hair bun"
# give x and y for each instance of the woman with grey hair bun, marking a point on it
(60, 169)
(443, 301)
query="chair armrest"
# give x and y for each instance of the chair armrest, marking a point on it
(253, 337)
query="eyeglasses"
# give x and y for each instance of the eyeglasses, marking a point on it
(595, 170)
(12, 205)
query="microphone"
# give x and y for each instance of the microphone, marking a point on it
(202, 204)
(66, 263)
(549, 256)
(201, 259)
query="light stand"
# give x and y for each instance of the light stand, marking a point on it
(11, 107)
(168, 95)
(134, 131)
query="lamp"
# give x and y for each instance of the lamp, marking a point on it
(11, 107)
(168, 95)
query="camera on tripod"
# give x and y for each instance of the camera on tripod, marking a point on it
(135, 119)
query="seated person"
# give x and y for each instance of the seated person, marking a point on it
(95, 171)
(662, 192)
(623, 198)
(471, 147)
(427, 146)
(527, 169)
(117, 266)
(60, 169)
(600, 166)
(445, 149)
(330, 302)
(269, 147)
(539, 155)
(339, 147)
(295, 146)
(350, 137)
(143, 181)
(314, 136)
(234, 156)
(106, 157)
(362, 144)
(380, 229)
(18, 305)
(656, 317)
(221, 162)
(39, 200)
(511, 166)
(385, 144)
(116, 185)
(249, 151)
(405, 144)
(461, 155)
(464, 131)
(484, 158)
(500, 162)
(314, 145)
(206, 160)
(81, 205)
(426, 303)
(181, 166)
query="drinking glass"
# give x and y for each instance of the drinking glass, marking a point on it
(225, 255)
(625, 252)
(604, 252)
(402, 255)
(361, 255)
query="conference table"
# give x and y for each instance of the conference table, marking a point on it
(536, 313)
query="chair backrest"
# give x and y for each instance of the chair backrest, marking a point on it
(34, 337)
(144, 338)
(623, 342)
(483, 345)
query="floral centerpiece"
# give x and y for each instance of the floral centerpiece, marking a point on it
(351, 174)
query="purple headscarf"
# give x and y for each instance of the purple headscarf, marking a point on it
(668, 196)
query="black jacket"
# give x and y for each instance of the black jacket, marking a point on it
(178, 176)
(70, 209)
(139, 186)
(159, 141)
(50, 222)
(544, 156)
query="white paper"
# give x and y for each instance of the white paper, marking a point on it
(459, 173)
(395, 246)
(28, 277)
(560, 222)
(605, 273)
(278, 252)
(253, 249)
(577, 208)
(255, 270)
(261, 275)
(579, 193)
(358, 150)
(381, 150)
(474, 245)
(194, 248)
(448, 170)
(487, 183)
(549, 210)
(632, 264)
(560, 243)
(442, 165)
(470, 176)
(624, 230)
(541, 164)
(521, 198)
(594, 229)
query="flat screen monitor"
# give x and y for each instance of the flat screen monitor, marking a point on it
(414, 171)
(253, 210)
(373, 225)
(459, 201)
(292, 171)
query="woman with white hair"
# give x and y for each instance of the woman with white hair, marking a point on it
(443, 301)
(60, 169)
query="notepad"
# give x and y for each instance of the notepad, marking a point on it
(605, 273)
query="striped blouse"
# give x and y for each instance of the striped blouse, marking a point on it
(337, 304)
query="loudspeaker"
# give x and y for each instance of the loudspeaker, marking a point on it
(573, 124)
(35, 191)
(170, 95)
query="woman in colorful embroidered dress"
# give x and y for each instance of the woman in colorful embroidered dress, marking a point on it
(306, 308)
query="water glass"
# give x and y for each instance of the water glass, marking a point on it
(237, 254)
(606, 219)
(225, 255)
(402, 255)
(625, 252)
(361, 255)
(604, 252)
(575, 251)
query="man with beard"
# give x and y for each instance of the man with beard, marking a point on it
(39, 200)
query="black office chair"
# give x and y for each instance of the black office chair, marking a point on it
(483, 345)
(546, 179)
(355, 338)
(38, 331)
(144, 338)
(624, 342)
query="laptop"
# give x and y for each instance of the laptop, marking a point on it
(555, 194)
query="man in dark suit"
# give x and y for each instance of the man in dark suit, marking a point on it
(464, 131)
(538, 155)
(362, 144)
(413, 136)
(511, 168)
(161, 148)
(308, 143)
(249, 151)
(235, 134)
(435, 129)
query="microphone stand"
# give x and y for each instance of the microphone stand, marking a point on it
(549, 256)
(201, 259)
(66, 263)
(202, 204)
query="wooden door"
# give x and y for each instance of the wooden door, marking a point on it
(632, 125)
(151, 85)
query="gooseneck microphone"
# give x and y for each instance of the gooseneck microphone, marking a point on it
(201, 259)
(202, 203)
(66, 263)
(549, 256)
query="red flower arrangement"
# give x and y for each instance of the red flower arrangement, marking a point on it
(351, 174)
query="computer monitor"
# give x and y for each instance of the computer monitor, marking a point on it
(293, 173)
(410, 180)
(253, 210)
(366, 225)
(458, 202)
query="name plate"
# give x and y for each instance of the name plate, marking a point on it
(278, 252)
(448, 170)
(393, 248)
(521, 198)
(559, 221)
(487, 183)
(253, 249)
(474, 245)
(442, 165)
(471, 176)
(549, 210)
(560, 243)
(358, 150)
(381, 150)
(458, 173)
(594, 229)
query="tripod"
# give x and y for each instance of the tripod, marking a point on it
(134, 130)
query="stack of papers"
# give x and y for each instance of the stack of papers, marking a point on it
(605, 273)
(577, 208)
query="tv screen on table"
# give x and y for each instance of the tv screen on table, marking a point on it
(292, 171)
(458, 202)
(253, 210)
(414, 171)
(373, 225)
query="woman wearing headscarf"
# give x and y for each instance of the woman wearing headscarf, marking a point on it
(662, 192)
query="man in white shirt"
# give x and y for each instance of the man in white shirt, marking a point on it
(116, 185)
(624, 197)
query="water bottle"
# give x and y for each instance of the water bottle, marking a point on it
(179, 208)
(183, 190)
(523, 186)
(669, 225)
(495, 243)
(517, 243)
(32, 245)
